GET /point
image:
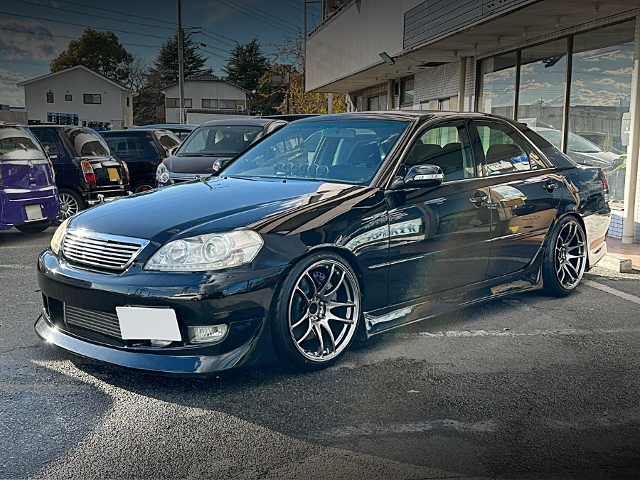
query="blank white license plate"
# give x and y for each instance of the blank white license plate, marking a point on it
(34, 212)
(143, 323)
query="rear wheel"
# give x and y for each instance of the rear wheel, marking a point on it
(70, 203)
(33, 228)
(565, 257)
(317, 312)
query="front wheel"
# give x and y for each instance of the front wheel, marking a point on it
(565, 257)
(70, 203)
(317, 312)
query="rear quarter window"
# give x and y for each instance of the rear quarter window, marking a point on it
(17, 143)
(559, 159)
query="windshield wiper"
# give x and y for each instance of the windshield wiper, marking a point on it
(201, 178)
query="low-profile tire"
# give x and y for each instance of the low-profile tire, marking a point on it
(70, 203)
(316, 312)
(565, 257)
(33, 228)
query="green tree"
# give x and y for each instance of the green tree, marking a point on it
(98, 51)
(166, 63)
(246, 65)
(163, 73)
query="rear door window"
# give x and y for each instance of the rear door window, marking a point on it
(48, 141)
(125, 145)
(87, 143)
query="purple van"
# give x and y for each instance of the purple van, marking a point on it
(28, 193)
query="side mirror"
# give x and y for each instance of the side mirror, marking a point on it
(424, 176)
(219, 165)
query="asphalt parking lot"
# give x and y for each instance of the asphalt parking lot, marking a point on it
(523, 387)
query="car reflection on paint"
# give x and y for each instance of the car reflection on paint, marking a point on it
(328, 226)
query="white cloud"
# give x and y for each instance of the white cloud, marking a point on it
(605, 81)
(620, 71)
(26, 40)
(584, 96)
(9, 79)
(12, 96)
(528, 69)
(533, 85)
(592, 69)
(577, 83)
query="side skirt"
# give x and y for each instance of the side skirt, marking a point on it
(394, 316)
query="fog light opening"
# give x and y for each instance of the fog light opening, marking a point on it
(160, 343)
(207, 333)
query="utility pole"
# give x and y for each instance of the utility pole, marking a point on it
(304, 39)
(180, 63)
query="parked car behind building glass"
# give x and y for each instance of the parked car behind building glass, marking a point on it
(143, 149)
(86, 172)
(28, 194)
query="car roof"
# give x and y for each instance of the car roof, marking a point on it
(137, 130)
(62, 127)
(291, 117)
(249, 121)
(165, 126)
(399, 115)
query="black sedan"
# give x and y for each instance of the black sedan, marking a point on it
(390, 219)
(211, 146)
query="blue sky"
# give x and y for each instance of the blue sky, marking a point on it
(34, 32)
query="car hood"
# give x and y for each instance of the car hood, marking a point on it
(201, 165)
(597, 159)
(220, 204)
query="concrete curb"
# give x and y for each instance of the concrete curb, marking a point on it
(616, 263)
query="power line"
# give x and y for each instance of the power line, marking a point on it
(81, 25)
(276, 19)
(221, 41)
(286, 30)
(72, 38)
(214, 54)
(97, 16)
(290, 5)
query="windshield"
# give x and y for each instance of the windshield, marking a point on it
(87, 143)
(576, 142)
(17, 143)
(219, 140)
(342, 152)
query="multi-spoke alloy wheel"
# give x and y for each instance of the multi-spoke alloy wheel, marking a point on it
(570, 255)
(565, 258)
(69, 205)
(323, 310)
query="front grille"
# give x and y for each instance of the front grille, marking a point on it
(101, 251)
(104, 323)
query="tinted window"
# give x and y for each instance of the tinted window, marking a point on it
(48, 141)
(17, 143)
(504, 150)
(346, 152)
(86, 142)
(167, 139)
(446, 146)
(223, 140)
(125, 145)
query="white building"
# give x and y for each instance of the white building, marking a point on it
(78, 96)
(563, 67)
(206, 94)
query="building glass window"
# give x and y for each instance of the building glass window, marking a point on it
(543, 73)
(379, 102)
(498, 85)
(172, 102)
(49, 97)
(68, 98)
(227, 104)
(406, 88)
(92, 98)
(209, 103)
(600, 96)
(187, 103)
(128, 102)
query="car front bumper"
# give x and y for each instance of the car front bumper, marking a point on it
(240, 300)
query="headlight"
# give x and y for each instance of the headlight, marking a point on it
(162, 174)
(207, 252)
(57, 237)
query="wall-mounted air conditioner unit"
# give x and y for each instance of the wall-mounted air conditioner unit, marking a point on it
(240, 108)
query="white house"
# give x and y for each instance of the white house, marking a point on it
(78, 96)
(206, 94)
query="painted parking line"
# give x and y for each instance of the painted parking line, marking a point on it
(534, 333)
(612, 291)
(17, 267)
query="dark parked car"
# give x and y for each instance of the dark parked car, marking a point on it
(28, 194)
(214, 142)
(86, 172)
(180, 131)
(143, 149)
(395, 217)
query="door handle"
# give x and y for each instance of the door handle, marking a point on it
(550, 186)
